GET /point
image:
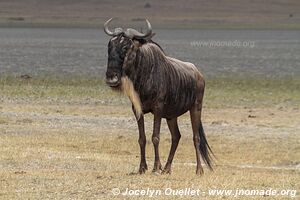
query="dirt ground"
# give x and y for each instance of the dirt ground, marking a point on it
(85, 150)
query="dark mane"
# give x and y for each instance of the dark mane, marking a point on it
(145, 41)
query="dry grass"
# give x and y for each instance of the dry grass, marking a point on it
(53, 147)
(221, 92)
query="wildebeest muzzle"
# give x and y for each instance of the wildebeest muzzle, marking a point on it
(113, 79)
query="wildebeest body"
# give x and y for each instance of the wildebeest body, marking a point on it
(159, 84)
(174, 85)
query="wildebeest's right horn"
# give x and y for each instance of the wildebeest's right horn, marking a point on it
(131, 33)
(110, 33)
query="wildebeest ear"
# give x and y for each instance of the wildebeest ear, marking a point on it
(137, 43)
(140, 41)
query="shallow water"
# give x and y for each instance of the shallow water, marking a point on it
(215, 52)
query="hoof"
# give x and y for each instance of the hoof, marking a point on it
(156, 173)
(157, 168)
(199, 172)
(143, 169)
(167, 169)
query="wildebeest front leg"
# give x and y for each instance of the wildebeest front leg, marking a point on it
(173, 127)
(142, 143)
(155, 140)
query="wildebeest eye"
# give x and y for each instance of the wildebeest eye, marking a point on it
(124, 48)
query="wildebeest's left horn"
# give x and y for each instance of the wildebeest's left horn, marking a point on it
(131, 33)
(110, 33)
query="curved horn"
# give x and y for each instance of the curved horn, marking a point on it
(131, 33)
(110, 33)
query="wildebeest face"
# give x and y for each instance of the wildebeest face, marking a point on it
(117, 49)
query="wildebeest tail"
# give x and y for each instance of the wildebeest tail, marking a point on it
(205, 149)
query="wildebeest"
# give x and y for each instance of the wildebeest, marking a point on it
(159, 84)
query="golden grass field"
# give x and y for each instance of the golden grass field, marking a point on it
(74, 138)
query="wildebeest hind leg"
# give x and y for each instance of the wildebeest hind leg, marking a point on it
(196, 120)
(175, 134)
(155, 140)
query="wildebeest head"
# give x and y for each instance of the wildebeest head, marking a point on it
(122, 49)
